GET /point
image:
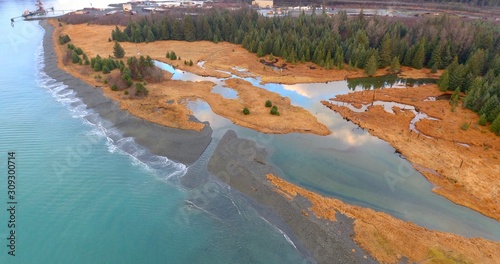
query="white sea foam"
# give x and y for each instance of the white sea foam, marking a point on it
(100, 128)
(281, 232)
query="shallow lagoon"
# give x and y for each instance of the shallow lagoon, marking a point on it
(350, 164)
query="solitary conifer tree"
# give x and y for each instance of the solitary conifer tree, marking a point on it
(118, 50)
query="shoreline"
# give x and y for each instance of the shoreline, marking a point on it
(444, 153)
(93, 40)
(242, 165)
(332, 230)
(179, 145)
(391, 240)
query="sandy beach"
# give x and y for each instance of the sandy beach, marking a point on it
(184, 146)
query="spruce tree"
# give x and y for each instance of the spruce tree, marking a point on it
(444, 81)
(418, 59)
(434, 68)
(455, 97)
(435, 60)
(150, 37)
(395, 66)
(482, 120)
(260, 50)
(188, 28)
(472, 96)
(495, 126)
(447, 57)
(118, 51)
(490, 117)
(371, 66)
(385, 51)
(489, 105)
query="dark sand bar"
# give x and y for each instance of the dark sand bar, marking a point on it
(183, 146)
(326, 241)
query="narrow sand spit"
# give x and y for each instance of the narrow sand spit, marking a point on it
(180, 145)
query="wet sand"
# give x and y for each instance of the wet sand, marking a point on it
(242, 165)
(183, 146)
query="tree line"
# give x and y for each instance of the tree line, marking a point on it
(467, 49)
(478, 3)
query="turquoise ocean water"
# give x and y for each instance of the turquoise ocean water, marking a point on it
(86, 195)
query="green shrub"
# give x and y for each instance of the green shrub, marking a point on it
(246, 111)
(75, 58)
(63, 39)
(482, 120)
(127, 77)
(105, 69)
(114, 87)
(172, 55)
(79, 51)
(140, 89)
(495, 126)
(126, 92)
(464, 126)
(274, 110)
(268, 103)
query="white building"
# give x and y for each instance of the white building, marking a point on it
(263, 3)
(127, 7)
